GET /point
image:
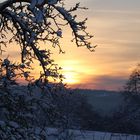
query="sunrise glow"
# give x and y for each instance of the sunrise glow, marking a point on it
(70, 78)
(116, 32)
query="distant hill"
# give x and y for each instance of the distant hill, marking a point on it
(103, 101)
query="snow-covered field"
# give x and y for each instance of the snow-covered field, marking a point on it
(89, 135)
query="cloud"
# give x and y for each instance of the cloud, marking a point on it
(113, 4)
(115, 25)
(105, 82)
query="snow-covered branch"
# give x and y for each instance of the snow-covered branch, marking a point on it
(32, 22)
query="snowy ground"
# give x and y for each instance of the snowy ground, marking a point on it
(90, 135)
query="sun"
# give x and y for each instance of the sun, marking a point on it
(70, 75)
(70, 78)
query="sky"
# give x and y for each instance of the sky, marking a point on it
(116, 29)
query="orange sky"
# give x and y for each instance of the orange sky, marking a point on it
(116, 29)
(115, 25)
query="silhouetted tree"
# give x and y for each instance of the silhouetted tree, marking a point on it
(30, 23)
(127, 119)
(76, 110)
(132, 87)
(33, 22)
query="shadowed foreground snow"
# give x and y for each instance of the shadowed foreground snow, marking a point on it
(55, 134)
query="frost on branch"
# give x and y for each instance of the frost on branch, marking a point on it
(33, 22)
(10, 72)
(25, 113)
